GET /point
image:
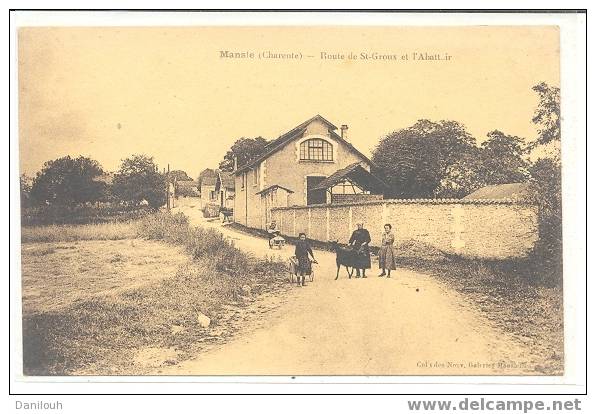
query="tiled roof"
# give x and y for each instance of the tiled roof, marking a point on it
(512, 191)
(208, 180)
(227, 179)
(272, 187)
(208, 176)
(357, 174)
(277, 144)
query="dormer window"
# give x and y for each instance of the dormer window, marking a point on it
(316, 149)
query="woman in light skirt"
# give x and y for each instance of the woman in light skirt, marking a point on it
(386, 253)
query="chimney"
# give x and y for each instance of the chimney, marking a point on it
(344, 131)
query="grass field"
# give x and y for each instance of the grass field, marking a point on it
(58, 275)
(123, 298)
(65, 232)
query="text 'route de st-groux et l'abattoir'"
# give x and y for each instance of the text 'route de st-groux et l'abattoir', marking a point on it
(334, 56)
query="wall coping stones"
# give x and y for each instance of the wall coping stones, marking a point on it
(433, 201)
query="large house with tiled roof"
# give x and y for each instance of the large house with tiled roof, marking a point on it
(308, 165)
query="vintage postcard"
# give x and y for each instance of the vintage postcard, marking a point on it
(292, 200)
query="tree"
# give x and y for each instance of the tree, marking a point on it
(138, 179)
(545, 188)
(68, 182)
(545, 176)
(427, 159)
(245, 149)
(545, 193)
(502, 160)
(25, 184)
(461, 177)
(179, 175)
(547, 114)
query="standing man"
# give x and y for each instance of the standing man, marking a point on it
(360, 240)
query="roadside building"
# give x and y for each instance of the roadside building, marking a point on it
(305, 166)
(224, 187)
(207, 179)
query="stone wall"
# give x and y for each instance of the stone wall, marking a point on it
(490, 229)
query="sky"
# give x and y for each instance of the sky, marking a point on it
(111, 92)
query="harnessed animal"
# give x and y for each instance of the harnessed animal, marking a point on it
(344, 257)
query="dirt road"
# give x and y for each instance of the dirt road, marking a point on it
(406, 325)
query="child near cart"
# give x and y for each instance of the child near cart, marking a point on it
(274, 235)
(303, 250)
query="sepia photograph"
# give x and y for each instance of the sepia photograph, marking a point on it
(291, 200)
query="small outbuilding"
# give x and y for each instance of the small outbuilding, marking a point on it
(511, 191)
(351, 184)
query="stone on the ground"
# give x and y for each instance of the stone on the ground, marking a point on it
(203, 320)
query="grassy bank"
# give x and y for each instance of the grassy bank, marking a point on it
(105, 332)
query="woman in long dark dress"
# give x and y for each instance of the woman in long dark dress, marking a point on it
(360, 240)
(303, 250)
(386, 253)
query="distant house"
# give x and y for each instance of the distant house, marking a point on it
(224, 187)
(208, 178)
(305, 166)
(512, 191)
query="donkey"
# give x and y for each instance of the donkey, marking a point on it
(343, 257)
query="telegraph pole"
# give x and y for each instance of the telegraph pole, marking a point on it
(166, 182)
(174, 187)
(168, 188)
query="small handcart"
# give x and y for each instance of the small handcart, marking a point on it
(293, 270)
(275, 240)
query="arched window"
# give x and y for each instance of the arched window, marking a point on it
(316, 149)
